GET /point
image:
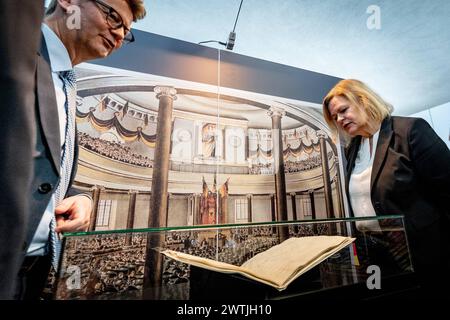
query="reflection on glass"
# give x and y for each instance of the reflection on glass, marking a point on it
(129, 265)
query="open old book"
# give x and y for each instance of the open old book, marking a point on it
(279, 265)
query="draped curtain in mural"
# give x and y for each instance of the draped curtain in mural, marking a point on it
(126, 134)
(287, 152)
(208, 203)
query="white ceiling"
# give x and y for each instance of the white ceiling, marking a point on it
(407, 60)
(201, 106)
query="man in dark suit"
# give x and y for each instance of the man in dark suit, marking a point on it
(20, 24)
(74, 31)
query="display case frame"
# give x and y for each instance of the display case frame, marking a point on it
(128, 264)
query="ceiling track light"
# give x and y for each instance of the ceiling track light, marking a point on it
(231, 37)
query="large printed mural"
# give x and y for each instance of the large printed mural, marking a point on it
(163, 151)
(162, 144)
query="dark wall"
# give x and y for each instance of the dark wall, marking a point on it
(163, 56)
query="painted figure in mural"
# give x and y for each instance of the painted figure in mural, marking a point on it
(223, 201)
(209, 203)
(74, 31)
(209, 140)
(212, 208)
(396, 165)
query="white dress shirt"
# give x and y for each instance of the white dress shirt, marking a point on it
(359, 185)
(59, 61)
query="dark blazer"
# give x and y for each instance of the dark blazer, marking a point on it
(20, 25)
(411, 176)
(47, 152)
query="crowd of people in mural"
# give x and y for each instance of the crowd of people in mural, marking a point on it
(261, 168)
(307, 164)
(123, 153)
(114, 150)
(289, 165)
(108, 264)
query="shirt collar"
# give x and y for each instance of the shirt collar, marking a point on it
(59, 57)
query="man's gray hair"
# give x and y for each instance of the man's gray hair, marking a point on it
(136, 6)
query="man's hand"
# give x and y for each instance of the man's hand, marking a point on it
(73, 214)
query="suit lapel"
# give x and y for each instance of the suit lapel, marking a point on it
(351, 155)
(47, 107)
(384, 139)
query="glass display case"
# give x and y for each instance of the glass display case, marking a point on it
(128, 264)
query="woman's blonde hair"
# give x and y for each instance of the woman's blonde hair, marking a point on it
(359, 95)
(136, 6)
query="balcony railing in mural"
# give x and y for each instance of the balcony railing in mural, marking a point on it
(123, 153)
(208, 168)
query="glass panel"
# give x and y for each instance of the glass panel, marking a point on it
(129, 265)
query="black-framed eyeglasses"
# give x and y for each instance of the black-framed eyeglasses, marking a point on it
(115, 21)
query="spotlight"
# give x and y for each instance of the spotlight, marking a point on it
(230, 42)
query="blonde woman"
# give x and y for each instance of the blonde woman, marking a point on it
(396, 165)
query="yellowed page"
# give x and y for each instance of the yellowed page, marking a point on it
(279, 265)
(283, 263)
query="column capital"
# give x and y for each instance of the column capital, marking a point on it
(311, 191)
(97, 187)
(249, 195)
(276, 112)
(133, 191)
(165, 91)
(321, 134)
(293, 194)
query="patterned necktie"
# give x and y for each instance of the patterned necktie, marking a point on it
(69, 87)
